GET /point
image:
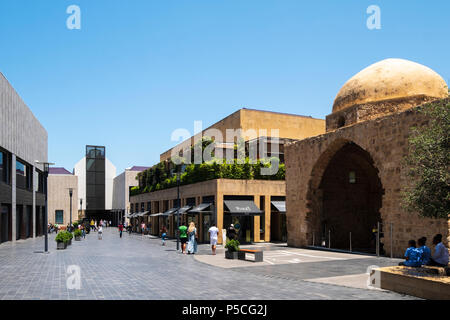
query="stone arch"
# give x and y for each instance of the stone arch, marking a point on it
(344, 195)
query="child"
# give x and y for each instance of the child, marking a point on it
(412, 256)
(424, 250)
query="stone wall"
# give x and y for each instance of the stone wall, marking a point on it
(386, 141)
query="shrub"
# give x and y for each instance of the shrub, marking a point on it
(63, 236)
(232, 245)
(77, 233)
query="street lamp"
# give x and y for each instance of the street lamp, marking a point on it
(178, 211)
(46, 169)
(81, 208)
(70, 194)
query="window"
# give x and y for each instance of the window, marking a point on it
(23, 175)
(352, 177)
(59, 216)
(2, 166)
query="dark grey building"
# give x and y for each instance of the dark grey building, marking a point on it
(23, 141)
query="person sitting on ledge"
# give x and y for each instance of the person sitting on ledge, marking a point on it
(412, 256)
(424, 250)
(440, 256)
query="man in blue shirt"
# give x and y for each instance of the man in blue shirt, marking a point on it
(425, 251)
(440, 256)
(412, 256)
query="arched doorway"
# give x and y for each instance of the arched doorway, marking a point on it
(347, 200)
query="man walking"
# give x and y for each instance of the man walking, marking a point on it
(120, 230)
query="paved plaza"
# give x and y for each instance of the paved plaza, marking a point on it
(138, 267)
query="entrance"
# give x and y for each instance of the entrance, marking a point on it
(348, 201)
(278, 229)
(5, 224)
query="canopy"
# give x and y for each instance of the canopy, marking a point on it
(169, 212)
(280, 206)
(242, 208)
(184, 209)
(143, 213)
(200, 208)
(156, 215)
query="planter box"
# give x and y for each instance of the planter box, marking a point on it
(423, 286)
(70, 242)
(77, 238)
(231, 255)
(61, 245)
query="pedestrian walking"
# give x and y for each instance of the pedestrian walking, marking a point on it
(83, 232)
(100, 232)
(183, 238)
(192, 235)
(142, 228)
(163, 235)
(110, 223)
(120, 230)
(213, 234)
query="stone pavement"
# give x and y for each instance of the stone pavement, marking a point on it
(139, 268)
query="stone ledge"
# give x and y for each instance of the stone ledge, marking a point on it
(418, 282)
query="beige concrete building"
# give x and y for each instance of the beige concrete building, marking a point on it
(255, 207)
(351, 177)
(59, 182)
(121, 190)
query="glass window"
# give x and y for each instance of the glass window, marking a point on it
(352, 177)
(59, 216)
(21, 175)
(2, 165)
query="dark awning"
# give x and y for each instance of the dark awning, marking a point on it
(242, 208)
(280, 206)
(169, 212)
(156, 215)
(184, 209)
(200, 208)
(145, 213)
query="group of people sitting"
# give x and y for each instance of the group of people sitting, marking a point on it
(421, 255)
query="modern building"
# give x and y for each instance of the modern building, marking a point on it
(255, 207)
(121, 191)
(351, 178)
(95, 184)
(61, 205)
(23, 141)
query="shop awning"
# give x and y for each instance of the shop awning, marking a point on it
(280, 206)
(141, 214)
(169, 212)
(200, 208)
(133, 215)
(184, 209)
(156, 214)
(242, 208)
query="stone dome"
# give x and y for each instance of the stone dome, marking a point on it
(390, 79)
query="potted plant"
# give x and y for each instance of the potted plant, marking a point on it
(232, 249)
(77, 234)
(61, 241)
(69, 236)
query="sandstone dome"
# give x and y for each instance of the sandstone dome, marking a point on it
(390, 79)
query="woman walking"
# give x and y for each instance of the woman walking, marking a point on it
(192, 235)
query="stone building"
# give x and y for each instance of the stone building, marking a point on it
(350, 178)
(256, 207)
(60, 181)
(23, 141)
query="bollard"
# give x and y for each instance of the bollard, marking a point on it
(329, 239)
(392, 241)
(378, 239)
(350, 241)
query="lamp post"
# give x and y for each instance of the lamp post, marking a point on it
(46, 166)
(70, 194)
(81, 206)
(178, 211)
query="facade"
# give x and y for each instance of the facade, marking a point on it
(23, 141)
(121, 190)
(95, 184)
(255, 207)
(60, 204)
(351, 178)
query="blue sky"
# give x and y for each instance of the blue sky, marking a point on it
(139, 69)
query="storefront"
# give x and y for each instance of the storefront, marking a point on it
(278, 229)
(241, 213)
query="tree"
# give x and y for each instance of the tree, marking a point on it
(428, 164)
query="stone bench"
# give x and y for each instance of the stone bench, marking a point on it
(257, 253)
